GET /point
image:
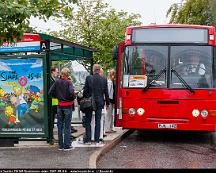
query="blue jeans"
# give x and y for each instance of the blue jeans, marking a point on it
(88, 118)
(64, 116)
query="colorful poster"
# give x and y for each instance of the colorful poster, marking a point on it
(137, 81)
(21, 96)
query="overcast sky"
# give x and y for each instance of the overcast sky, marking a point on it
(152, 11)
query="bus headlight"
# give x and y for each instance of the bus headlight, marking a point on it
(140, 111)
(195, 112)
(132, 112)
(204, 113)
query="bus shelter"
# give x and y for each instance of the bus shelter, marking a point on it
(25, 107)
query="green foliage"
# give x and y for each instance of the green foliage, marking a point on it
(213, 12)
(96, 25)
(200, 12)
(15, 15)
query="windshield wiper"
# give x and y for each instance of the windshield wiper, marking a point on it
(154, 79)
(182, 81)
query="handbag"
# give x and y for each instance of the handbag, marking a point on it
(87, 104)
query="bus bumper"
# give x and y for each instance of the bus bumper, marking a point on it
(168, 126)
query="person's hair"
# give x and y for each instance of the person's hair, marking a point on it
(111, 73)
(96, 68)
(65, 72)
(53, 68)
(101, 72)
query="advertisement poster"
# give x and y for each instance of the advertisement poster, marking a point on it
(137, 81)
(21, 96)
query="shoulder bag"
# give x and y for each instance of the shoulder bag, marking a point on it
(88, 104)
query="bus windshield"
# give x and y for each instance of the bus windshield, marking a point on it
(193, 64)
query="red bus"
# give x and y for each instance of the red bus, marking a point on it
(166, 78)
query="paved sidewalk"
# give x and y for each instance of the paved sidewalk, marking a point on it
(39, 154)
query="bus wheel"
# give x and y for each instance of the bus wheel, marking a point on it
(213, 139)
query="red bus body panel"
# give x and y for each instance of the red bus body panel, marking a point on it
(118, 121)
(164, 106)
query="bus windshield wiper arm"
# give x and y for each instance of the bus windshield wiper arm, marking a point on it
(182, 81)
(154, 79)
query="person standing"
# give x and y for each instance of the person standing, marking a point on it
(95, 86)
(109, 123)
(54, 76)
(102, 132)
(63, 90)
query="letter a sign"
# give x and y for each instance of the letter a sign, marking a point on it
(43, 45)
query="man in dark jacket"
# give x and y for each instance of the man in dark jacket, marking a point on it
(63, 90)
(54, 76)
(95, 86)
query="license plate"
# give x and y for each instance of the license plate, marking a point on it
(167, 126)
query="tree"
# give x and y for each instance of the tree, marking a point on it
(200, 12)
(15, 15)
(213, 11)
(96, 25)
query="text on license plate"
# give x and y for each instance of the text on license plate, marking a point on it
(167, 126)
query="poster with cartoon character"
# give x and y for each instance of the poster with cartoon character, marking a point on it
(21, 96)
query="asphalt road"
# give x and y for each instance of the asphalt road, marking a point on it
(154, 149)
(44, 158)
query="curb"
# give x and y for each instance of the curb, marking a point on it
(97, 154)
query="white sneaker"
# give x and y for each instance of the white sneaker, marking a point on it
(80, 141)
(99, 144)
(87, 143)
